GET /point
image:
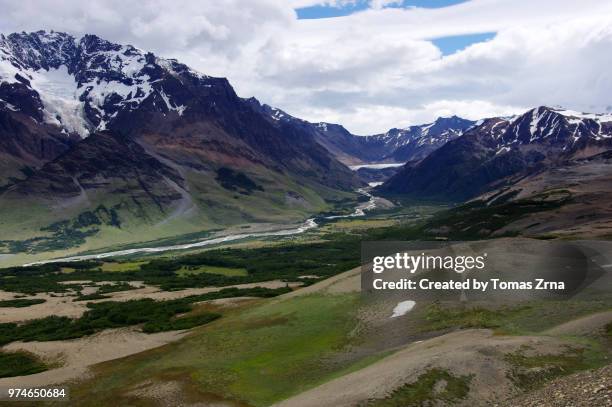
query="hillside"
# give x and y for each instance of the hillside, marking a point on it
(108, 142)
(487, 155)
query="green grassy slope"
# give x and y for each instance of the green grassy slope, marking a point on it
(32, 230)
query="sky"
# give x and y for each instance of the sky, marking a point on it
(369, 65)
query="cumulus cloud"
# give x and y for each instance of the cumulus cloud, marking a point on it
(372, 70)
(325, 3)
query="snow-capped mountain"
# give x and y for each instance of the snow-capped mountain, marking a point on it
(397, 145)
(555, 127)
(416, 142)
(107, 133)
(83, 84)
(501, 147)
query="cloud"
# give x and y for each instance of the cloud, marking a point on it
(326, 3)
(380, 4)
(222, 27)
(372, 70)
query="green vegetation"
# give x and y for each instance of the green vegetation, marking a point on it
(259, 355)
(232, 292)
(104, 289)
(91, 297)
(224, 271)
(44, 278)
(116, 266)
(433, 386)
(339, 252)
(179, 323)
(61, 239)
(528, 318)
(100, 316)
(285, 262)
(155, 315)
(279, 348)
(113, 288)
(19, 364)
(236, 181)
(438, 317)
(532, 371)
(67, 233)
(476, 220)
(20, 302)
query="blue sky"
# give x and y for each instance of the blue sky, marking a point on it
(327, 11)
(447, 45)
(450, 45)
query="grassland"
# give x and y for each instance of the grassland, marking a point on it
(155, 316)
(525, 319)
(19, 364)
(223, 271)
(39, 230)
(259, 356)
(122, 266)
(230, 266)
(275, 349)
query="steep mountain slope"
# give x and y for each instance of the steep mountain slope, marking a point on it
(486, 156)
(397, 145)
(119, 141)
(26, 145)
(578, 190)
(26, 141)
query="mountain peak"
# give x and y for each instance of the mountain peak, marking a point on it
(83, 85)
(91, 43)
(86, 123)
(500, 147)
(554, 127)
(448, 118)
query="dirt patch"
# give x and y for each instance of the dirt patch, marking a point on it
(75, 356)
(590, 389)
(588, 325)
(349, 281)
(177, 391)
(59, 305)
(470, 352)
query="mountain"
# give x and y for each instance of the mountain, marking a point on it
(416, 142)
(499, 151)
(396, 145)
(106, 143)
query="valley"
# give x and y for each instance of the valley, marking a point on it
(165, 241)
(311, 223)
(316, 324)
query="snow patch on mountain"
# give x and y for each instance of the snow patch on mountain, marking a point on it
(9, 106)
(170, 105)
(575, 116)
(277, 114)
(58, 92)
(83, 84)
(8, 71)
